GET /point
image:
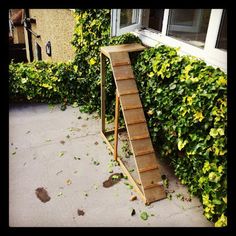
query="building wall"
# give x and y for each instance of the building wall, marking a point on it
(56, 26)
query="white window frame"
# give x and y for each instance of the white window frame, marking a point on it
(115, 19)
(212, 55)
(189, 28)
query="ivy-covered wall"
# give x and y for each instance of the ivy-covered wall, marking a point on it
(185, 102)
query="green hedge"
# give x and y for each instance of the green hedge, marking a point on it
(186, 105)
(185, 102)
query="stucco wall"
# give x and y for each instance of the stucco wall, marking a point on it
(56, 26)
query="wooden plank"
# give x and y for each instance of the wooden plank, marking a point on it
(107, 142)
(131, 101)
(141, 170)
(138, 131)
(150, 178)
(154, 194)
(134, 116)
(119, 59)
(116, 125)
(146, 161)
(132, 47)
(142, 147)
(151, 186)
(126, 87)
(123, 72)
(102, 70)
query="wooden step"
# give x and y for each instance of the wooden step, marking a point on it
(126, 87)
(142, 147)
(134, 116)
(123, 72)
(151, 186)
(146, 161)
(119, 59)
(131, 101)
(130, 47)
(154, 194)
(141, 170)
(138, 131)
(150, 178)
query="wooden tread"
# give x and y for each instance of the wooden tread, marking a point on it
(123, 72)
(146, 161)
(109, 50)
(138, 131)
(119, 59)
(142, 147)
(130, 101)
(134, 116)
(126, 87)
(148, 169)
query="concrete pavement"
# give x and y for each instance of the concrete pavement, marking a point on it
(63, 152)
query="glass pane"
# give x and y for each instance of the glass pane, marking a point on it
(128, 17)
(222, 37)
(189, 25)
(155, 19)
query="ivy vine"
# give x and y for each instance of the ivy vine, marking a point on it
(184, 99)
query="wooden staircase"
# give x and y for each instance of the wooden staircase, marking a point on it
(135, 121)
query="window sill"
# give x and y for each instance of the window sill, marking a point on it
(152, 38)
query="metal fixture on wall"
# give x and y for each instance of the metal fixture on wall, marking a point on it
(48, 48)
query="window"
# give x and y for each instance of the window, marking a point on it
(222, 36)
(155, 19)
(125, 20)
(38, 52)
(198, 32)
(189, 25)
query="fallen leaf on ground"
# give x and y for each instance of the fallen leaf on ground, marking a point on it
(133, 212)
(96, 143)
(62, 142)
(59, 172)
(13, 153)
(42, 194)
(68, 182)
(133, 197)
(61, 154)
(111, 181)
(80, 212)
(96, 163)
(28, 132)
(75, 104)
(144, 215)
(68, 136)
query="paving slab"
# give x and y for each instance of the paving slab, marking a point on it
(63, 152)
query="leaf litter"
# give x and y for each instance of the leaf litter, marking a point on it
(42, 194)
(113, 179)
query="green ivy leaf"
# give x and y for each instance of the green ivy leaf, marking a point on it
(144, 215)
